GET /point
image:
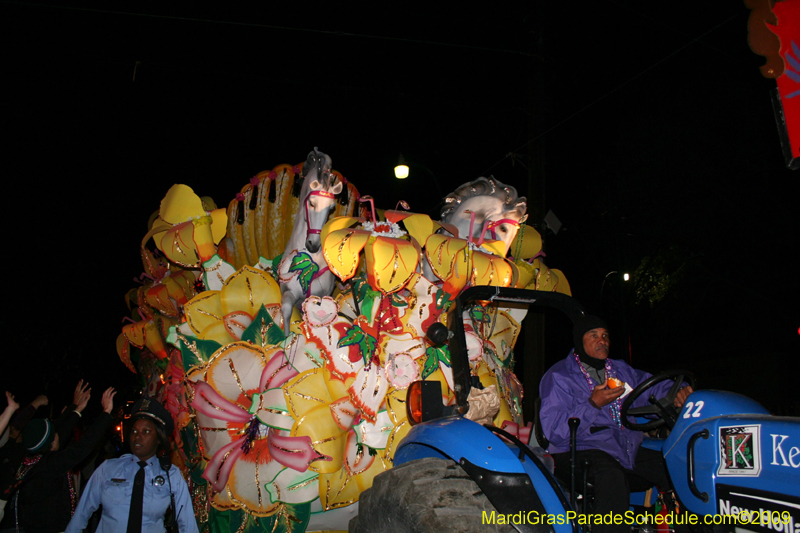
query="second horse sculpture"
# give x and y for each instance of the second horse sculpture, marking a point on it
(302, 271)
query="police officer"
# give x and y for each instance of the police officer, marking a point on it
(138, 489)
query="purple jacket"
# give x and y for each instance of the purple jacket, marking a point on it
(565, 394)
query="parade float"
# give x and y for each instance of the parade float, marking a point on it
(283, 332)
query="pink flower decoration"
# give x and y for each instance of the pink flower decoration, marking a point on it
(293, 452)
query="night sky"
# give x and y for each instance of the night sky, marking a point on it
(647, 128)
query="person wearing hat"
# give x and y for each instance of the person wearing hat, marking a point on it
(140, 491)
(45, 490)
(578, 387)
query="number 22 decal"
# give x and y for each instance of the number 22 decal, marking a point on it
(697, 407)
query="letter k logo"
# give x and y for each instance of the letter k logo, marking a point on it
(739, 451)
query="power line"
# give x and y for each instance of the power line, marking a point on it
(608, 93)
(331, 33)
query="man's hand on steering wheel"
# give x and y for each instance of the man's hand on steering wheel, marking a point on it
(680, 398)
(665, 409)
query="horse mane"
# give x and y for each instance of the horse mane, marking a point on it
(326, 178)
(513, 204)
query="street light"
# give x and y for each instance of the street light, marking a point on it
(623, 304)
(401, 172)
(401, 169)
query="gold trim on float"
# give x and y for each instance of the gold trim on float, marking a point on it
(236, 376)
(324, 441)
(206, 313)
(191, 346)
(328, 498)
(304, 484)
(263, 332)
(250, 292)
(221, 465)
(390, 441)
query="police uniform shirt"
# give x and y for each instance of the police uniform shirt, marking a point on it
(112, 484)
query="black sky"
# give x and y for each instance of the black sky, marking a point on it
(651, 122)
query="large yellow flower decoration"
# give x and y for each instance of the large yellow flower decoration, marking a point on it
(537, 276)
(149, 333)
(533, 273)
(172, 291)
(391, 254)
(186, 229)
(461, 263)
(223, 315)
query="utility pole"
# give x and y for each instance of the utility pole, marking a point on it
(534, 343)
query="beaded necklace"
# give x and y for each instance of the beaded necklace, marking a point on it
(616, 404)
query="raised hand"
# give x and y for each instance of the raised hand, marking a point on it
(11, 403)
(81, 396)
(40, 401)
(107, 401)
(5, 416)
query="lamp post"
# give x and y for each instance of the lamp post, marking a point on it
(403, 171)
(622, 307)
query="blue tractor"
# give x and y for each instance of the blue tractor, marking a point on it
(726, 456)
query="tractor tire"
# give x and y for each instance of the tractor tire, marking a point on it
(424, 496)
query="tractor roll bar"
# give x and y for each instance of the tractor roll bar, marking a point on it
(459, 360)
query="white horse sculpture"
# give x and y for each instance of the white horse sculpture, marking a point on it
(485, 209)
(302, 271)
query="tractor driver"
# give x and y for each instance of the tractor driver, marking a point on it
(578, 387)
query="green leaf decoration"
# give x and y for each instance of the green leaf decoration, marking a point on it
(195, 351)
(430, 366)
(433, 355)
(444, 354)
(226, 521)
(304, 265)
(263, 331)
(360, 287)
(366, 342)
(196, 474)
(371, 300)
(273, 271)
(478, 314)
(398, 301)
(442, 300)
(195, 462)
(288, 519)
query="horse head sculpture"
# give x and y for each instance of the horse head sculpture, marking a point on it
(485, 209)
(318, 196)
(303, 271)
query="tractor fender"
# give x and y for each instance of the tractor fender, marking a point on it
(493, 465)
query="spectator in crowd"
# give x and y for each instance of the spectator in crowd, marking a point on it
(44, 494)
(9, 411)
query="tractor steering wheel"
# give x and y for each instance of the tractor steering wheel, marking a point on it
(664, 408)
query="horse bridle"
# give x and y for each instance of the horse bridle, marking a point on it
(324, 194)
(496, 223)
